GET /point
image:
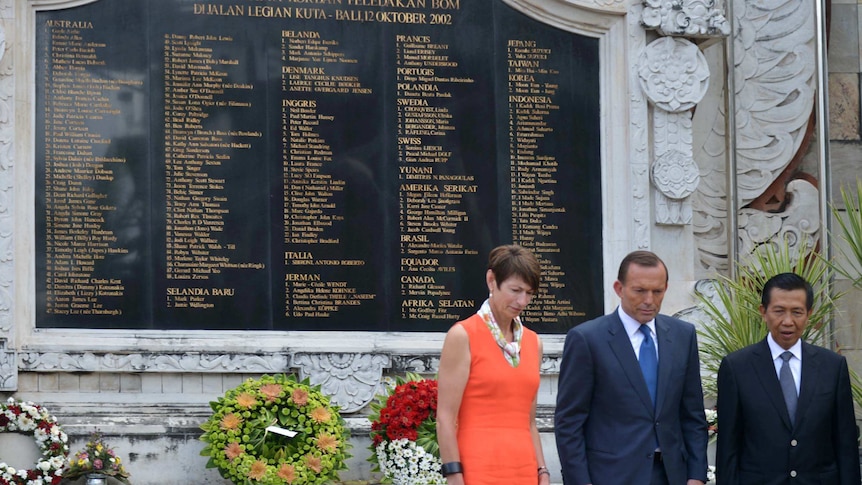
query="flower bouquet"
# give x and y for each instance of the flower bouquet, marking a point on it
(712, 423)
(404, 433)
(712, 431)
(275, 430)
(27, 418)
(96, 458)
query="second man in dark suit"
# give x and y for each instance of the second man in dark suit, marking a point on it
(785, 411)
(628, 414)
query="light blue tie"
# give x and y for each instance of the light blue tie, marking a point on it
(649, 362)
(788, 385)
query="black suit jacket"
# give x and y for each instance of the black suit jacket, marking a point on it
(757, 443)
(605, 424)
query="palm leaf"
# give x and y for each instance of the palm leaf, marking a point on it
(850, 223)
(733, 316)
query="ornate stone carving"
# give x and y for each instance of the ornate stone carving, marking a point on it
(3, 7)
(143, 362)
(420, 364)
(674, 75)
(607, 4)
(8, 367)
(675, 177)
(352, 380)
(675, 174)
(430, 364)
(696, 314)
(798, 224)
(689, 18)
(639, 137)
(775, 84)
(550, 364)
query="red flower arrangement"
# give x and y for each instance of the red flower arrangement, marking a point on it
(407, 412)
(411, 408)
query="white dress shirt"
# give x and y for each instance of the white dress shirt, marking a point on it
(632, 327)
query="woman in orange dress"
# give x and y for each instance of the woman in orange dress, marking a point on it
(488, 381)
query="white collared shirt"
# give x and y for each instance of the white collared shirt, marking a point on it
(632, 327)
(795, 362)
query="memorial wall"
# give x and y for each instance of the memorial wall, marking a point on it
(310, 165)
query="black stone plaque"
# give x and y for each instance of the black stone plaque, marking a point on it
(287, 165)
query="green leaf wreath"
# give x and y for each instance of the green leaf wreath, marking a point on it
(247, 453)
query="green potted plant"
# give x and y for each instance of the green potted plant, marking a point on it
(733, 316)
(849, 222)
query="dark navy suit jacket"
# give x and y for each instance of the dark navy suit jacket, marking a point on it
(605, 424)
(757, 444)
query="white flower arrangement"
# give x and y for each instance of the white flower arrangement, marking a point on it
(712, 422)
(712, 432)
(26, 417)
(404, 462)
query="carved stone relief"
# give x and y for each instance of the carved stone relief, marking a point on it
(798, 224)
(352, 380)
(419, 364)
(689, 18)
(639, 138)
(697, 314)
(674, 75)
(775, 85)
(153, 362)
(8, 369)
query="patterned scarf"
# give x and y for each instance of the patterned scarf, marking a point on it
(511, 350)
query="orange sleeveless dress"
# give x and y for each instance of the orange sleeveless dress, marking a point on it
(494, 419)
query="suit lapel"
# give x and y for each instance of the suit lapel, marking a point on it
(665, 358)
(810, 378)
(621, 346)
(764, 369)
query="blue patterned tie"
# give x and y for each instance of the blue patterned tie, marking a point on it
(649, 362)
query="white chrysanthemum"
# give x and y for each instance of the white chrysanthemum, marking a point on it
(25, 423)
(407, 463)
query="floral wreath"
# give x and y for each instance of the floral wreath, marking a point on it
(404, 432)
(250, 433)
(25, 417)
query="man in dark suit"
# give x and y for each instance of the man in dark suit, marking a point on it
(773, 427)
(622, 417)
